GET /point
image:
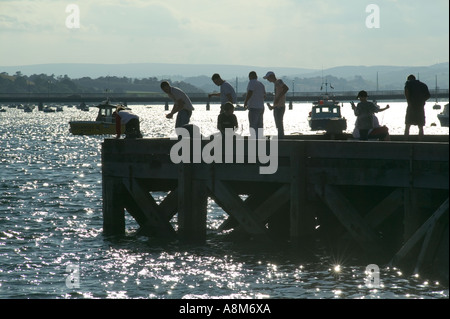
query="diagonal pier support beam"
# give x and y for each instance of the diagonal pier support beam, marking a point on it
(225, 197)
(385, 208)
(155, 218)
(426, 230)
(355, 224)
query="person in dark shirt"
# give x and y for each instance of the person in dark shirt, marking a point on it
(227, 119)
(416, 94)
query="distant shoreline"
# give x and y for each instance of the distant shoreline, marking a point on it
(385, 74)
(200, 97)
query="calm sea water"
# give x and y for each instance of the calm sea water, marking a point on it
(51, 223)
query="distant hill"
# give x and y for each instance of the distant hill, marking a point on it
(391, 77)
(42, 83)
(199, 75)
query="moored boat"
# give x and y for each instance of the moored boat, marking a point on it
(83, 106)
(48, 109)
(326, 116)
(28, 108)
(104, 123)
(436, 107)
(443, 116)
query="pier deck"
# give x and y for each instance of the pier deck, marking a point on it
(391, 198)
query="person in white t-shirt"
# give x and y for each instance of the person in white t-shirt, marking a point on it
(254, 101)
(227, 92)
(279, 101)
(182, 104)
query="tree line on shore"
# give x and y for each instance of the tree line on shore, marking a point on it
(50, 84)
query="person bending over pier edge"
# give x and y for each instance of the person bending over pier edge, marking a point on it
(130, 120)
(182, 104)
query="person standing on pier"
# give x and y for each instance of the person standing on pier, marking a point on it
(416, 94)
(279, 101)
(182, 104)
(227, 92)
(125, 117)
(254, 101)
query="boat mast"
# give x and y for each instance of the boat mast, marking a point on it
(377, 83)
(436, 90)
(237, 94)
(326, 86)
(107, 90)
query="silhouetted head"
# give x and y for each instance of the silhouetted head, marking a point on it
(362, 94)
(228, 108)
(165, 86)
(217, 79)
(270, 76)
(252, 75)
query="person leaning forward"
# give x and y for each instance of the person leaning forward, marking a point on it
(227, 92)
(125, 117)
(182, 104)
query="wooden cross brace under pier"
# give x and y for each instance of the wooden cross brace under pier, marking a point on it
(429, 234)
(191, 185)
(189, 200)
(311, 175)
(133, 195)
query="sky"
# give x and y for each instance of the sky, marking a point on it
(283, 33)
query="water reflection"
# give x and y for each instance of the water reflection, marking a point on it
(51, 217)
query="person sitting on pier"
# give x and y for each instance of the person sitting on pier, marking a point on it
(378, 132)
(364, 112)
(125, 117)
(227, 119)
(182, 104)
